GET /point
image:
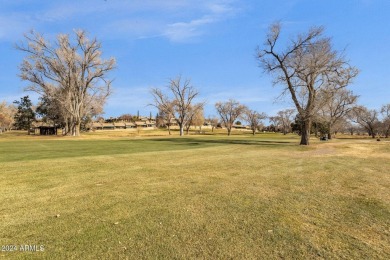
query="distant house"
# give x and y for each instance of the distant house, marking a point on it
(172, 122)
(144, 118)
(113, 123)
(108, 126)
(241, 127)
(140, 124)
(46, 130)
(130, 125)
(150, 123)
(144, 124)
(120, 125)
(43, 128)
(97, 126)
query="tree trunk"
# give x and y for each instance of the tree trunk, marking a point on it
(315, 129)
(329, 131)
(253, 131)
(65, 128)
(28, 126)
(181, 130)
(76, 129)
(69, 127)
(305, 132)
(229, 131)
(169, 129)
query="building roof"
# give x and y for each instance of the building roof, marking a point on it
(120, 124)
(108, 125)
(140, 123)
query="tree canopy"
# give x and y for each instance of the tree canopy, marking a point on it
(307, 66)
(68, 71)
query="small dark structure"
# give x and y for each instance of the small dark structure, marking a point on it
(47, 130)
(324, 138)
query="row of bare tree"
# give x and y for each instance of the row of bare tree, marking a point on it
(71, 77)
(369, 120)
(312, 73)
(178, 104)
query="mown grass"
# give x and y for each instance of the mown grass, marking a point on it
(207, 197)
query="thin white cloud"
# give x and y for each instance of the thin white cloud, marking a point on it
(182, 31)
(214, 13)
(179, 21)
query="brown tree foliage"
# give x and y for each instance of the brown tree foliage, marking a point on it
(179, 102)
(254, 119)
(366, 118)
(196, 117)
(283, 120)
(7, 113)
(229, 111)
(70, 71)
(385, 111)
(336, 104)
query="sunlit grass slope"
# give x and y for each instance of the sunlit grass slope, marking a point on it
(196, 197)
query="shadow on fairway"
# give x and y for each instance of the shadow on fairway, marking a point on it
(22, 150)
(198, 141)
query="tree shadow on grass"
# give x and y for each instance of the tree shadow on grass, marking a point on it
(199, 141)
(18, 151)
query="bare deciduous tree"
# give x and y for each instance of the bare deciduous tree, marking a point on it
(74, 74)
(196, 117)
(165, 107)
(126, 117)
(305, 67)
(350, 127)
(283, 120)
(7, 114)
(213, 121)
(229, 111)
(366, 118)
(336, 105)
(254, 119)
(385, 111)
(181, 100)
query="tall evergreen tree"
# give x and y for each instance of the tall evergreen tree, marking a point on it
(25, 115)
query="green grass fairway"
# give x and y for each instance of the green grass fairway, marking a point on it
(196, 197)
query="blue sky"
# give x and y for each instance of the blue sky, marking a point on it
(211, 42)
